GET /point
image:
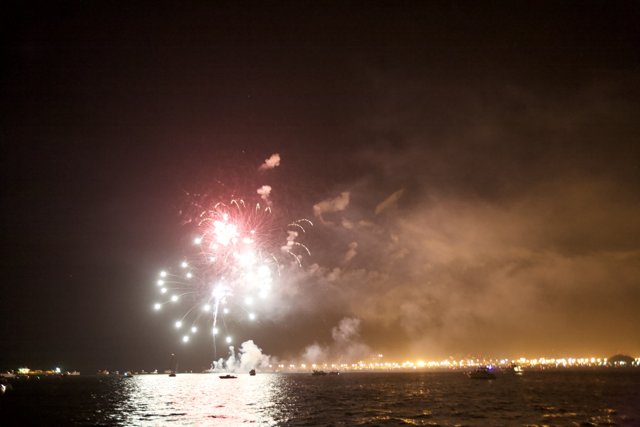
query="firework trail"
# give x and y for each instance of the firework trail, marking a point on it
(236, 258)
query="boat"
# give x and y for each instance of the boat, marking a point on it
(173, 365)
(482, 374)
(5, 385)
(514, 370)
(334, 373)
(227, 377)
(318, 373)
(252, 372)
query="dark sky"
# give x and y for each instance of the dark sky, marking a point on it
(471, 169)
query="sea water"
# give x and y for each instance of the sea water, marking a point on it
(537, 398)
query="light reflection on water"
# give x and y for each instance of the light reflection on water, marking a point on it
(378, 399)
(591, 398)
(190, 399)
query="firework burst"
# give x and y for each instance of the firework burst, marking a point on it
(235, 261)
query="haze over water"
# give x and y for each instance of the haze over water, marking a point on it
(594, 397)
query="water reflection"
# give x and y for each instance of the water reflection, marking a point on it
(537, 398)
(197, 399)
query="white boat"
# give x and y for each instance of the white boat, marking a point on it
(515, 370)
(5, 385)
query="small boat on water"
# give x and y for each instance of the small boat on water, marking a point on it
(514, 370)
(173, 365)
(334, 373)
(5, 385)
(227, 377)
(252, 372)
(318, 373)
(482, 374)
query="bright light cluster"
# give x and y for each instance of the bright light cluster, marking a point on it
(462, 364)
(236, 256)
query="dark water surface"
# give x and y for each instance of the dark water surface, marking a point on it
(566, 398)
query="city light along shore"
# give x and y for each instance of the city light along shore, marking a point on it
(540, 363)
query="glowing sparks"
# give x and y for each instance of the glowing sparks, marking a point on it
(237, 256)
(224, 232)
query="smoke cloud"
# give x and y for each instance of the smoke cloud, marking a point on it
(389, 202)
(454, 275)
(249, 357)
(336, 204)
(352, 252)
(272, 162)
(265, 192)
(517, 233)
(346, 347)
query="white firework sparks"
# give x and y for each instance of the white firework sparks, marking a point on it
(236, 260)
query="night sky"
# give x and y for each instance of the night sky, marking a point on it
(472, 170)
